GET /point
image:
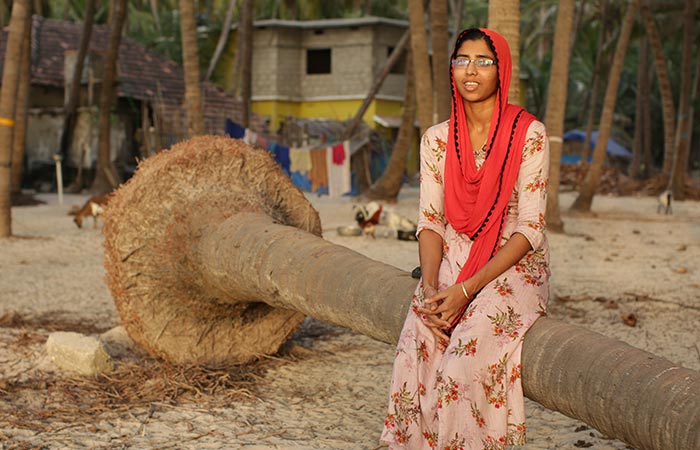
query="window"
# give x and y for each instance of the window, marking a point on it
(318, 60)
(400, 66)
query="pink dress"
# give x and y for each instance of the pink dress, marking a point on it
(469, 395)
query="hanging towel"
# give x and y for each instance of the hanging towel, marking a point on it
(300, 160)
(338, 174)
(261, 141)
(338, 153)
(234, 130)
(319, 170)
(250, 136)
(282, 157)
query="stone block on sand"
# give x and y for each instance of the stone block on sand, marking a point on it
(78, 353)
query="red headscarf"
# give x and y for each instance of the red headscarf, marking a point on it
(476, 200)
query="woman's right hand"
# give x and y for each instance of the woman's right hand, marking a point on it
(433, 321)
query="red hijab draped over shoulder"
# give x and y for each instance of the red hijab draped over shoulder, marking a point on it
(476, 200)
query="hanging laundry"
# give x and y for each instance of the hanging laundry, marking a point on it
(261, 141)
(250, 136)
(319, 169)
(339, 180)
(234, 130)
(282, 157)
(338, 153)
(300, 160)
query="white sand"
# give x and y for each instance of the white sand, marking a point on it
(332, 395)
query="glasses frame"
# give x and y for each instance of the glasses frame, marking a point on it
(480, 63)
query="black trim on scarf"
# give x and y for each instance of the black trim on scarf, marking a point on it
(500, 184)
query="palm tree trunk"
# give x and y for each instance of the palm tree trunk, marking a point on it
(223, 39)
(390, 63)
(441, 65)
(457, 10)
(70, 114)
(190, 273)
(19, 20)
(190, 62)
(387, 187)
(154, 12)
(599, 64)
(642, 93)
(20, 131)
(246, 62)
(556, 108)
(680, 152)
(106, 178)
(504, 17)
(419, 52)
(667, 105)
(590, 183)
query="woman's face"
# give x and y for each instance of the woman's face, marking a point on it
(475, 83)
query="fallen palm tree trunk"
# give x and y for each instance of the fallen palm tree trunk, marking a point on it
(214, 257)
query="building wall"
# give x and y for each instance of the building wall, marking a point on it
(281, 86)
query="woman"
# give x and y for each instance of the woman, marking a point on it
(484, 263)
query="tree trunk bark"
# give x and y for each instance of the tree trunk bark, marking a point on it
(70, 114)
(457, 12)
(189, 265)
(680, 152)
(556, 108)
(599, 64)
(642, 93)
(419, 52)
(223, 39)
(20, 19)
(106, 178)
(246, 62)
(583, 202)
(190, 62)
(20, 132)
(504, 17)
(441, 64)
(667, 105)
(387, 187)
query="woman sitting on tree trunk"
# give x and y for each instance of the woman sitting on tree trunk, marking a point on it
(484, 263)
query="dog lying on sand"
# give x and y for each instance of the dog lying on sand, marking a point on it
(373, 214)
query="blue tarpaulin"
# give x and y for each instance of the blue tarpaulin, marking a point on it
(613, 149)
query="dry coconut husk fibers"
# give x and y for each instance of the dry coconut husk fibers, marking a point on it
(153, 262)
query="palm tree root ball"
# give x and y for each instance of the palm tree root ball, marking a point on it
(153, 231)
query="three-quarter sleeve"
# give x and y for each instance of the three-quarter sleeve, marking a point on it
(532, 184)
(431, 212)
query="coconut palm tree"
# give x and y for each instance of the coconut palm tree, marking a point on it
(583, 202)
(504, 17)
(190, 62)
(74, 92)
(419, 51)
(106, 177)
(20, 131)
(387, 187)
(556, 107)
(223, 39)
(246, 61)
(662, 74)
(19, 21)
(441, 64)
(680, 152)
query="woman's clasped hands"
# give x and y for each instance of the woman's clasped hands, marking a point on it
(443, 308)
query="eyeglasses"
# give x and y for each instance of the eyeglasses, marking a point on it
(481, 63)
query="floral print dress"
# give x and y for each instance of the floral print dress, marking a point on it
(467, 394)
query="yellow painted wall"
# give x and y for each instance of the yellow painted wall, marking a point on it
(332, 109)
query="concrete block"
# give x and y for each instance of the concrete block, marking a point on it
(78, 353)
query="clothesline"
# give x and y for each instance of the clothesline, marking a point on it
(323, 170)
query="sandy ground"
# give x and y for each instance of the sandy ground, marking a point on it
(327, 389)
